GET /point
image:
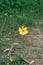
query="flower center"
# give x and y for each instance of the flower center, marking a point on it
(22, 30)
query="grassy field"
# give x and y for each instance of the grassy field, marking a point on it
(14, 14)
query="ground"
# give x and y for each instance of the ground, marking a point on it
(32, 47)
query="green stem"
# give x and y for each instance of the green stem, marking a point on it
(3, 26)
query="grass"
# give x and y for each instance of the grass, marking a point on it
(24, 13)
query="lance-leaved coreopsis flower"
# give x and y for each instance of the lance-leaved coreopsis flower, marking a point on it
(23, 30)
(11, 59)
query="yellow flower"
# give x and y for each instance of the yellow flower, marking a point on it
(11, 59)
(23, 30)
